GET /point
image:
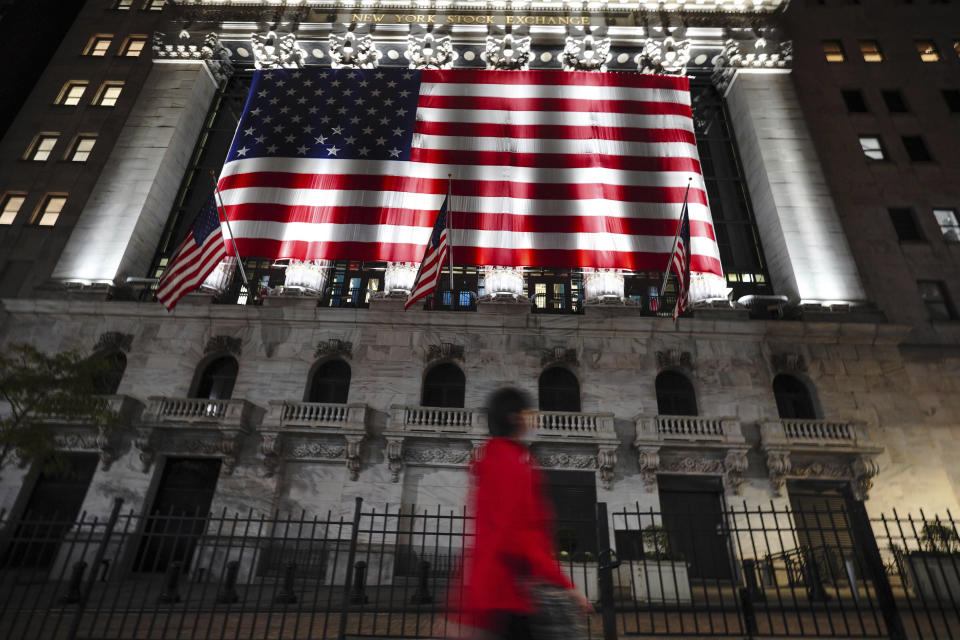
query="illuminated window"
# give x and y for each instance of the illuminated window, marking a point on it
(153, 5)
(854, 101)
(72, 92)
(11, 206)
(108, 94)
(916, 149)
(133, 46)
(41, 147)
(833, 50)
(870, 49)
(928, 51)
(894, 101)
(123, 5)
(934, 297)
(48, 212)
(873, 148)
(82, 148)
(949, 224)
(98, 45)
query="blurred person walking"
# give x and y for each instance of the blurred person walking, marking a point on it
(513, 587)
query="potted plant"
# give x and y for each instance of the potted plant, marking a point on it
(935, 567)
(660, 574)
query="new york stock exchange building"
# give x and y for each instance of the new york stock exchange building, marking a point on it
(815, 383)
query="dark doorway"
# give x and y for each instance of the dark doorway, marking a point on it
(574, 498)
(692, 509)
(50, 512)
(179, 512)
(444, 386)
(330, 382)
(823, 527)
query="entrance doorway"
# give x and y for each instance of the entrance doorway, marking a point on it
(574, 498)
(823, 527)
(179, 513)
(692, 509)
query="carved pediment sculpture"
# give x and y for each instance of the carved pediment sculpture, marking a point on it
(334, 347)
(586, 53)
(669, 56)
(430, 51)
(272, 51)
(113, 341)
(558, 355)
(353, 51)
(223, 344)
(507, 52)
(444, 351)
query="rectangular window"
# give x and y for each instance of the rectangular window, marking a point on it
(71, 93)
(927, 50)
(41, 147)
(11, 206)
(870, 49)
(153, 5)
(108, 94)
(833, 51)
(916, 149)
(123, 5)
(82, 147)
(949, 225)
(905, 225)
(952, 98)
(853, 98)
(133, 46)
(872, 147)
(894, 101)
(934, 296)
(98, 45)
(49, 210)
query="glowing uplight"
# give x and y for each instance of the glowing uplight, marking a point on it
(399, 276)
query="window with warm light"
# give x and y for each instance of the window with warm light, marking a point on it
(870, 50)
(42, 147)
(949, 224)
(72, 92)
(109, 94)
(98, 45)
(11, 207)
(82, 148)
(872, 147)
(833, 51)
(123, 5)
(49, 211)
(928, 50)
(133, 46)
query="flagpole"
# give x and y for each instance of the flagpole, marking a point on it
(673, 247)
(450, 230)
(236, 251)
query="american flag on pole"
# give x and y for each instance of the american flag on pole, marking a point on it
(433, 258)
(198, 255)
(554, 168)
(680, 264)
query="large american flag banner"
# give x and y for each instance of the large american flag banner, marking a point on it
(550, 168)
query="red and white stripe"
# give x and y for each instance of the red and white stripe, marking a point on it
(678, 264)
(429, 275)
(550, 168)
(189, 267)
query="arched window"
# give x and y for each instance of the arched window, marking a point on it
(443, 386)
(330, 382)
(559, 390)
(107, 379)
(675, 395)
(793, 398)
(216, 381)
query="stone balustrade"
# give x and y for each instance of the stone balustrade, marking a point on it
(812, 434)
(289, 414)
(572, 425)
(661, 429)
(804, 430)
(200, 411)
(438, 420)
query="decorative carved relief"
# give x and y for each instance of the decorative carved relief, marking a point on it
(353, 51)
(649, 460)
(693, 464)
(430, 51)
(395, 458)
(669, 56)
(674, 359)
(864, 469)
(444, 351)
(334, 347)
(271, 51)
(438, 455)
(223, 344)
(164, 47)
(318, 450)
(737, 54)
(558, 355)
(788, 362)
(735, 464)
(354, 443)
(566, 460)
(230, 448)
(586, 54)
(778, 468)
(145, 443)
(271, 447)
(833, 471)
(606, 461)
(507, 52)
(476, 450)
(217, 57)
(113, 341)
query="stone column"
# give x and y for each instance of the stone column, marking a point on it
(121, 224)
(804, 243)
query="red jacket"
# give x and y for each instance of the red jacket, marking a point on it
(513, 533)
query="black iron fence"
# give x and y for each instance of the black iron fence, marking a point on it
(368, 572)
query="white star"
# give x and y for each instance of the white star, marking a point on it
(280, 83)
(272, 148)
(242, 151)
(404, 93)
(302, 150)
(308, 129)
(296, 75)
(312, 110)
(407, 75)
(325, 119)
(355, 120)
(391, 84)
(351, 139)
(308, 83)
(301, 101)
(375, 93)
(318, 92)
(268, 119)
(352, 74)
(364, 83)
(372, 110)
(359, 101)
(381, 141)
(398, 131)
(296, 119)
(367, 130)
(268, 76)
(342, 110)
(379, 75)
(290, 138)
(335, 83)
(249, 131)
(395, 153)
(338, 131)
(348, 92)
(401, 112)
(284, 109)
(332, 151)
(274, 100)
(255, 112)
(321, 140)
(261, 139)
(384, 121)
(291, 92)
(262, 94)
(330, 100)
(363, 151)
(278, 128)
(388, 102)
